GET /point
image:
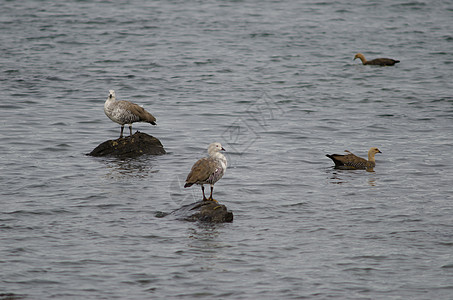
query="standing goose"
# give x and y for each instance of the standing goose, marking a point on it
(351, 161)
(125, 112)
(208, 170)
(376, 61)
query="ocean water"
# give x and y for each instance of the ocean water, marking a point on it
(275, 83)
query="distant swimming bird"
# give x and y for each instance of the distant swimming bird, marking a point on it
(351, 161)
(377, 61)
(125, 112)
(208, 170)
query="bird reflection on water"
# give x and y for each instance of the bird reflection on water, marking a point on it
(129, 167)
(343, 176)
(206, 246)
(372, 181)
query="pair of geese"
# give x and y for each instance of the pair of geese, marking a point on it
(206, 170)
(209, 170)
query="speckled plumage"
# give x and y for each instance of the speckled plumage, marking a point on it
(125, 112)
(208, 170)
(351, 161)
(376, 61)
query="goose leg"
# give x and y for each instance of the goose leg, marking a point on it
(130, 129)
(122, 128)
(202, 189)
(210, 197)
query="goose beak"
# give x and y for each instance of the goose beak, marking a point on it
(223, 149)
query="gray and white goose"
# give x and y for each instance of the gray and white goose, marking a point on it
(125, 112)
(208, 170)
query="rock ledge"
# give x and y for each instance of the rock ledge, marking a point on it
(130, 146)
(204, 211)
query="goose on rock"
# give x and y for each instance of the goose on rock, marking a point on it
(352, 162)
(125, 112)
(376, 61)
(208, 170)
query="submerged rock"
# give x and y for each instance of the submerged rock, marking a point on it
(204, 211)
(130, 146)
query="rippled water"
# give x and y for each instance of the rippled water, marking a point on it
(276, 84)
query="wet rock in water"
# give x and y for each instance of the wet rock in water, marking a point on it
(131, 146)
(204, 211)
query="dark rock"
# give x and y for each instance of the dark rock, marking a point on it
(130, 146)
(204, 211)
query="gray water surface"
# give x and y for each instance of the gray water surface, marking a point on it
(275, 83)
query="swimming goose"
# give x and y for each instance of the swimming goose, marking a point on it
(351, 161)
(376, 61)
